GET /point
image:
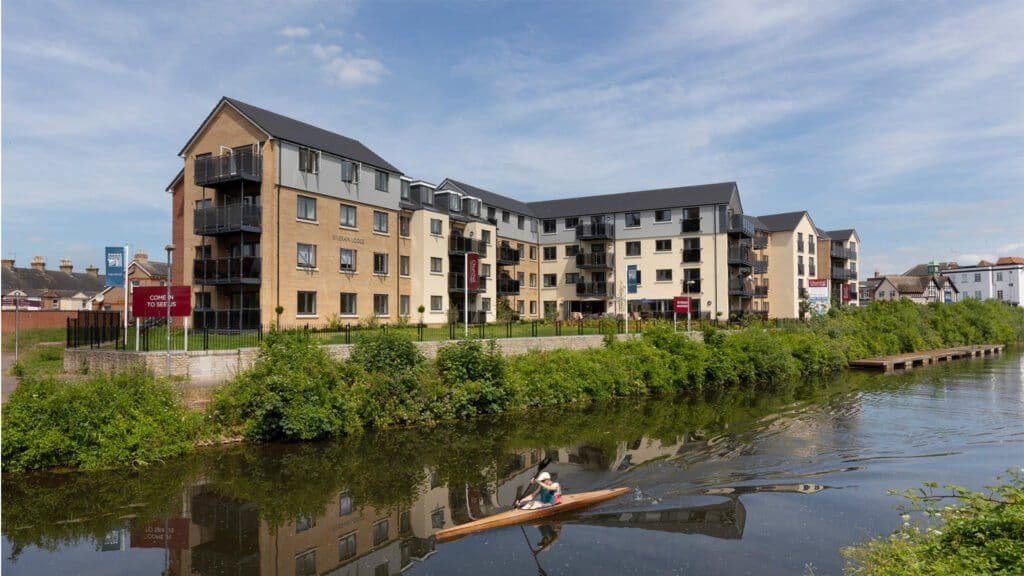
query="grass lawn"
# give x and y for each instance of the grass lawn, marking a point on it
(30, 337)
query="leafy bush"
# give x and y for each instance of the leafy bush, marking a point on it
(130, 418)
(388, 352)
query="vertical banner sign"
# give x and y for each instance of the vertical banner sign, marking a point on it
(472, 272)
(631, 282)
(817, 295)
(115, 266)
(846, 292)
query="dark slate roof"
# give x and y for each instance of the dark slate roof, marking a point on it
(782, 222)
(30, 280)
(154, 269)
(922, 269)
(285, 128)
(719, 193)
(489, 198)
(841, 235)
(180, 175)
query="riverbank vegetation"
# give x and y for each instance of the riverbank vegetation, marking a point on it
(962, 532)
(297, 391)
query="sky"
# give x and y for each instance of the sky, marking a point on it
(904, 120)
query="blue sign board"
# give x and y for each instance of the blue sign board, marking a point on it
(115, 266)
(631, 282)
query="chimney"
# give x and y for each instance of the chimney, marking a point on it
(65, 265)
(38, 263)
(141, 256)
(92, 271)
(8, 262)
(876, 272)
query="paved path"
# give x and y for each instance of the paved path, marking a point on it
(9, 382)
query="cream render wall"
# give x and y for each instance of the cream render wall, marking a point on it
(784, 295)
(424, 282)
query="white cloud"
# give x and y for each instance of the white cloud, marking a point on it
(347, 69)
(295, 32)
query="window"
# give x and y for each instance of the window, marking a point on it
(632, 219)
(437, 519)
(571, 223)
(533, 307)
(136, 283)
(485, 237)
(305, 208)
(380, 222)
(454, 203)
(435, 226)
(521, 221)
(639, 277)
(977, 294)
(521, 307)
(533, 225)
(521, 277)
(436, 265)
(203, 300)
(663, 275)
(810, 244)
(380, 532)
(572, 250)
(348, 260)
(403, 265)
(306, 256)
(406, 190)
(380, 264)
(550, 280)
(487, 304)
(428, 195)
(344, 502)
(999, 294)
(662, 245)
(521, 251)
(691, 280)
(549, 226)
(348, 216)
(633, 248)
(309, 160)
(307, 304)
(572, 278)
(435, 303)
(533, 280)
(662, 215)
(485, 270)
(380, 304)
(550, 252)
(347, 547)
(533, 252)
(490, 213)
(403, 226)
(504, 216)
(999, 276)
(305, 563)
(800, 241)
(204, 204)
(348, 305)
(977, 277)
(380, 181)
(350, 172)
(403, 305)
(204, 251)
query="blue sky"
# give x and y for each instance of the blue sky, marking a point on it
(903, 120)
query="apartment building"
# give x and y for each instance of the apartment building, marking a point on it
(986, 280)
(842, 268)
(793, 250)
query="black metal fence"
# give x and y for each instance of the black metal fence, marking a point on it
(95, 329)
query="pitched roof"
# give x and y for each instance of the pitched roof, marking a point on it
(488, 197)
(922, 269)
(842, 235)
(180, 176)
(909, 284)
(783, 222)
(1009, 260)
(704, 194)
(31, 281)
(153, 269)
(295, 131)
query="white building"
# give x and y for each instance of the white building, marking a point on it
(985, 281)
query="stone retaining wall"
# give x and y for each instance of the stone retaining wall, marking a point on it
(213, 366)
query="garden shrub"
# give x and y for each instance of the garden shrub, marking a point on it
(386, 351)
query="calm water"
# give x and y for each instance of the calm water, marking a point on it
(734, 486)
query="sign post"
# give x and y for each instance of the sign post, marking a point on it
(116, 275)
(681, 304)
(818, 295)
(472, 283)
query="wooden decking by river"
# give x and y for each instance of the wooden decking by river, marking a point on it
(911, 359)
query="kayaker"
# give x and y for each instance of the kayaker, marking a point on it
(547, 493)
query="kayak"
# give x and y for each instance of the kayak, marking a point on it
(569, 503)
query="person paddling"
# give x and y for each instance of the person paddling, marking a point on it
(550, 493)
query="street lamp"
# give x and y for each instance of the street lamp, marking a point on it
(167, 306)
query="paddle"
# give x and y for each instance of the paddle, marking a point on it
(519, 490)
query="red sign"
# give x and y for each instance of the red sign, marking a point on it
(846, 292)
(171, 533)
(472, 272)
(817, 282)
(681, 304)
(151, 301)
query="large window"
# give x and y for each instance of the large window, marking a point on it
(572, 278)
(347, 547)
(403, 265)
(406, 190)
(435, 226)
(436, 265)
(305, 208)
(550, 280)
(344, 504)
(663, 275)
(306, 304)
(350, 172)
(571, 223)
(348, 216)
(403, 226)
(533, 225)
(305, 256)
(380, 181)
(549, 226)
(533, 280)
(633, 248)
(436, 303)
(348, 260)
(632, 219)
(550, 252)
(571, 250)
(662, 215)
(380, 264)
(305, 563)
(380, 304)
(348, 308)
(309, 160)
(691, 280)
(485, 236)
(521, 221)
(662, 245)
(403, 305)
(533, 252)
(380, 222)
(380, 532)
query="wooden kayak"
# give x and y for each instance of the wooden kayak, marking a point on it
(569, 503)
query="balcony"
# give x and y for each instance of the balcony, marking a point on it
(760, 242)
(741, 225)
(457, 283)
(462, 245)
(600, 290)
(595, 231)
(761, 289)
(692, 255)
(761, 265)
(740, 256)
(508, 287)
(843, 253)
(843, 274)
(742, 287)
(228, 320)
(598, 260)
(507, 256)
(691, 286)
(691, 225)
(225, 219)
(475, 317)
(216, 271)
(235, 167)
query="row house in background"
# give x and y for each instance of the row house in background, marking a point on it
(999, 280)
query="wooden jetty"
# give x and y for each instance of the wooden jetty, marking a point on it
(911, 359)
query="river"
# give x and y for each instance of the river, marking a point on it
(742, 484)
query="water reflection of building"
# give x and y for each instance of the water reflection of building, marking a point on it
(722, 520)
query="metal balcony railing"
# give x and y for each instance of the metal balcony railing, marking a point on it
(742, 225)
(507, 256)
(595, 231)
(743, 287)
(760, 265)
(761, 289)
(692, 255)
(457, 283)
(463, 245)
(508, 287)
(232, 319)
(602, 290)
(842, 273)
(691, 225)
(740, 256)
(210, 170)
(229, 218)
(843, 253)
(760, 242)
(593, 260)
(241, 270)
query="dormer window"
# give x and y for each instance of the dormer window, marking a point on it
(350, 172)
(454, 203)
(472, 206)
(427, 195)
(381, 181)
(406, 190)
